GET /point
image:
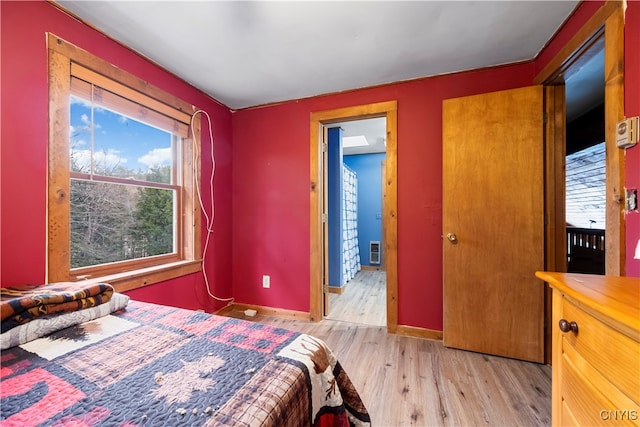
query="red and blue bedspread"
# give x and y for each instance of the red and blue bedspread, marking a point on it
(151, 365)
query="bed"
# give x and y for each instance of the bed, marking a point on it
(117, 362)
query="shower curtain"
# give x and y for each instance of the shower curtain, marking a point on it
(351, 252)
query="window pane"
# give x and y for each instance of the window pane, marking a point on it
(115, 222)
(106, 143)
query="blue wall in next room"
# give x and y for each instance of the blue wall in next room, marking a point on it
(368, 168)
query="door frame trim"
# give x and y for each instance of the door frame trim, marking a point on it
(389, 110)
(607, 20)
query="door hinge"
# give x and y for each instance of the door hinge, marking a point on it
(325, 288)
(324, 147)
(324, 218)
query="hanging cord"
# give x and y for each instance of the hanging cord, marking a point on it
(209, 219)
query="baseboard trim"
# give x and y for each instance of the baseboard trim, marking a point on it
(268, 311)
(412, 331)
(336, 289)
(370, 267)
(409, 331)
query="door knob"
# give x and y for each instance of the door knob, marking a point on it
(452, 238)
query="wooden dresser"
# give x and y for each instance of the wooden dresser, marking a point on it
(596, 349)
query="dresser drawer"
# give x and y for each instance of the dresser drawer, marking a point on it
(590, 396)
(583, 403)
(615, 356)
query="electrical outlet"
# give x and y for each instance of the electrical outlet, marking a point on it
(266, 281)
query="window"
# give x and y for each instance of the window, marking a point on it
(122, 204)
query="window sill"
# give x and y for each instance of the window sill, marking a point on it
(133, 279)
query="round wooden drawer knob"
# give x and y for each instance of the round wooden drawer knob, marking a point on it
(566, 326)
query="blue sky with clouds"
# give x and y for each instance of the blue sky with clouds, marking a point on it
(118, 140)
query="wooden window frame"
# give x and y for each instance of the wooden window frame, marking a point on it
(65, 60)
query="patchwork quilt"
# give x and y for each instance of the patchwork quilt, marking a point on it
(151, 365)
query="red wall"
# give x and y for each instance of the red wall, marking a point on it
(271, 191)
(24, 108)
(271, 183)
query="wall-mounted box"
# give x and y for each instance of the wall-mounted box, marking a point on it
(627, 132)
(374, 252)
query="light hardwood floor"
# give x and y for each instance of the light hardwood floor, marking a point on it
(364, 299)
(406, 381)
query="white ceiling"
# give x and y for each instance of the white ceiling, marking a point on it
(374, 130)
(248, 53)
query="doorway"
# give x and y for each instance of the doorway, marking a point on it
(585, 171)
(319, 292)
(605, 28)
(356, 153)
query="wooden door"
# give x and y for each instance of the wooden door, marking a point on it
(493, 223)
